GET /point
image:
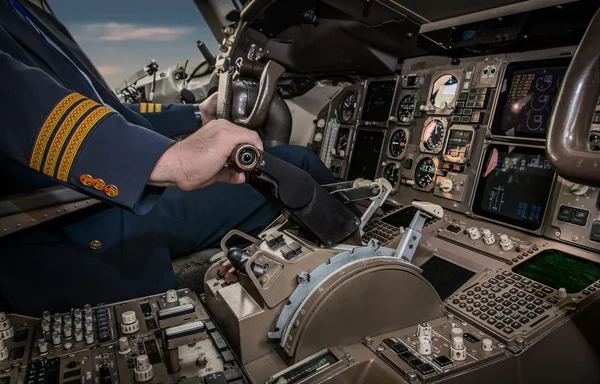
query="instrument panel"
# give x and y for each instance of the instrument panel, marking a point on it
(469, 135)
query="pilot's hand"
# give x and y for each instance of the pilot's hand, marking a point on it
(208, 108)
(199, 160)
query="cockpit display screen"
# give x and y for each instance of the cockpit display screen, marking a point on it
(514, 186)
(378, 101)
(527, 97)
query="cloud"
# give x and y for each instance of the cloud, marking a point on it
(125, 32)
(109, 70)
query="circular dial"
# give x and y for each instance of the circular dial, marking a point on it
(433, 135)
(347, 107)
(543, 83)
(406, 108)
(425, 172)
(391, 173)
(398, 143)
(595, 141)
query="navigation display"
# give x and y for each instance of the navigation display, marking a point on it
(527, 98)
(514, 186)
(378, 101)
(365, 155)
(557, 269)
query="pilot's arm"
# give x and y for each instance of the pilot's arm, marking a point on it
(88, 146)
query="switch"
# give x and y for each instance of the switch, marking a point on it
(564, 213)
(68, 345)
(595, 233)
(124, 345)
(215, 378)
(487, 345)
(296, 248)
(274, 238)
(42, 346)
(488, 237)
(578, 189)
(458, 351)
(171, 296)
(105, 376)
(424, 330)
(143, 370)
(446, 185)
(408, 163)
(6, 330)
(473, 233)
(579, 217)
(3, 351)
(505, 243)
(456, 332)
(424, 346)
(129, 323)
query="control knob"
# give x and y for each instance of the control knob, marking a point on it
(143, 369)
(47, 316)
(89, 337)
(424, 346)
(89, 327)
(458, 351)
(78, 324)
(78, 335)
(3, 351)
(124, 345)
(505, 243)
(42, 346)
(56, 339)
(129, 323)
(446, 185)
(68, 331)
(578, 189)
(57, 318)
(56, 327)
(474, 233)
(77, 314)
(45, 326)
(6, 330)
(562, 293)
(424, 330)
(488, 237)
(487, 345)
(171, 296)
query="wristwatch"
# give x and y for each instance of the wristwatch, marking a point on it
(198, 115)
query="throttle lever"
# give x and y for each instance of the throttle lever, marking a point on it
(293, 191)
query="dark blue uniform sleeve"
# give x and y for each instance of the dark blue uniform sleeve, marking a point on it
(168, 119)
(76, 140)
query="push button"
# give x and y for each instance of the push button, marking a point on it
(564, 213)
(579, 217)
(595, 233)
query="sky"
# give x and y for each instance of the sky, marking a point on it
(122, 36)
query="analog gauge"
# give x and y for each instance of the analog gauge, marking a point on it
(595, 141)
(433, 135)
(347, 107)
(425, 173)
(543, 83)
(391, 173)
(406, 108)
(444, 92)
(398, 143)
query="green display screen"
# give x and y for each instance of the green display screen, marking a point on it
(403, 218)
(557, 269)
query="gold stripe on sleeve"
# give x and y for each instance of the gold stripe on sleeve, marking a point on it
(150, 107)
(78, 137)
(48, 128)
(63, 132)
(158, 108)
(143, 107)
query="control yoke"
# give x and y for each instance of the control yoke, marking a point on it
(293, 191)
(568, 131)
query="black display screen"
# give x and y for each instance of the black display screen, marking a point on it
(514, 186)
(365, 155)
(446, 277)
(557, 269)
(527, 97)
(403, 218)
(308, 369)
(378, 101)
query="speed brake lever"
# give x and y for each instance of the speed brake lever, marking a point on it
(297, 194)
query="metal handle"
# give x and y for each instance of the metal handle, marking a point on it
(266, 93)
(568, 132)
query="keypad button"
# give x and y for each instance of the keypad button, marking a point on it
(529, 290)
(486, 285)
(539, 311)
(585, 292)
(553, 300)
(522, 303)
(484, 308)
(532, 315)
(492, 321)
(547, 290)
(496, 289)
(516, 325)
(536, 285)
(514, 299)
(537, 302)
(470, 293)
(514, 307)
(509, 281)
(491, 312)
(508, 330)
(526, 281)
(493, 281)
(477, 297)
(500, 316)
(476, 312)
(531, 307)
(477, 304)
(463, 297)
(507, 312)
(470, 301)
(591, 289)
(469, 309)
(521, 294)
(529, 298)
(523, 311)
(455, 301)
(515, 316)
(507, 303)
(546, 305)
(484, 317)
(503, 285)
(540, 294)
(500, 277)
(508, 320)
(524, 320)
(462, 305)
(484, 300)
(484, 292)
(500, 325)
(516, 277)
(477, 289)
(492, 295)
(492, 304)
(506, 295)
(513, 291)
(507, 273)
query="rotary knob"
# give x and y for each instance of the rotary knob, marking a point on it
(488, 237)
(56, 339)
(562, 293)
(47, 316)
(3, 351)
(68, 331)
(45, 326)
(424, 346)
(42, 346)
(458, 351)
(505, 243)
(77, 314)
(78, 335)
(124, 345)
(487, 345)
(424, 330)
(89, 338)
(78, 324)
(129, 323)
(578, 189)
(474, 233)
(446, 185)
(171, 296)
(6, 330)
(143, 369)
